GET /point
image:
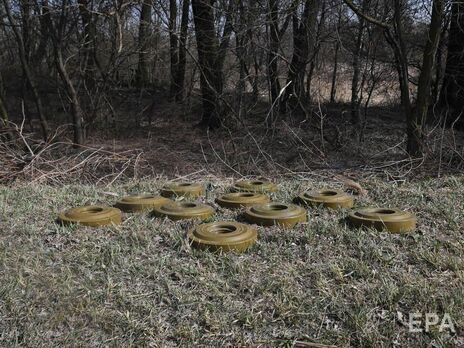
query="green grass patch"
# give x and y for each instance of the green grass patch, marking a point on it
(141, 284)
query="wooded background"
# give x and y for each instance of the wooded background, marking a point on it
(62, 63)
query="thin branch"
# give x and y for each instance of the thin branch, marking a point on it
(368, 18)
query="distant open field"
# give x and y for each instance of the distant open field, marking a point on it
(141, 284)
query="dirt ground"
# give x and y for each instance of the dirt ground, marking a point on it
(326, 141)
(145, 135)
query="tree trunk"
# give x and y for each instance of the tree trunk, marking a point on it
(88, 47)
(303, 41)
(180, 72)
(225, 39)
(452, 93)
(355, 117)
(44, 34)
(314, 56)
(27, 71)
(417, 121)
(76, 110)
(274, 39)
(210, 76)
(440, 68)
(143, 70)
(241, 45)
(333, 89)
(178, 48)
(25, 7)
(402, 65)
(173, 46)
(414, 119)
(3, 113)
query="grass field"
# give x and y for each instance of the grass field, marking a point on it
(141, 284)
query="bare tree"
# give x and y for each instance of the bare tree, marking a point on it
(304, 34)
(333, 87)
(90, 53)
(355, 88)
(143, 71)
(22, 50)
(394, 33)
(173, 45)
(58, 30)
(317, 44)
(89, 39)
(275, 36)
(211, 55)
(178, 48)
(3, 113)
(419, 116)
(452, 93)
(181, 64)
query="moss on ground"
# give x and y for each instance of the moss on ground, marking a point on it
(140, 283)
